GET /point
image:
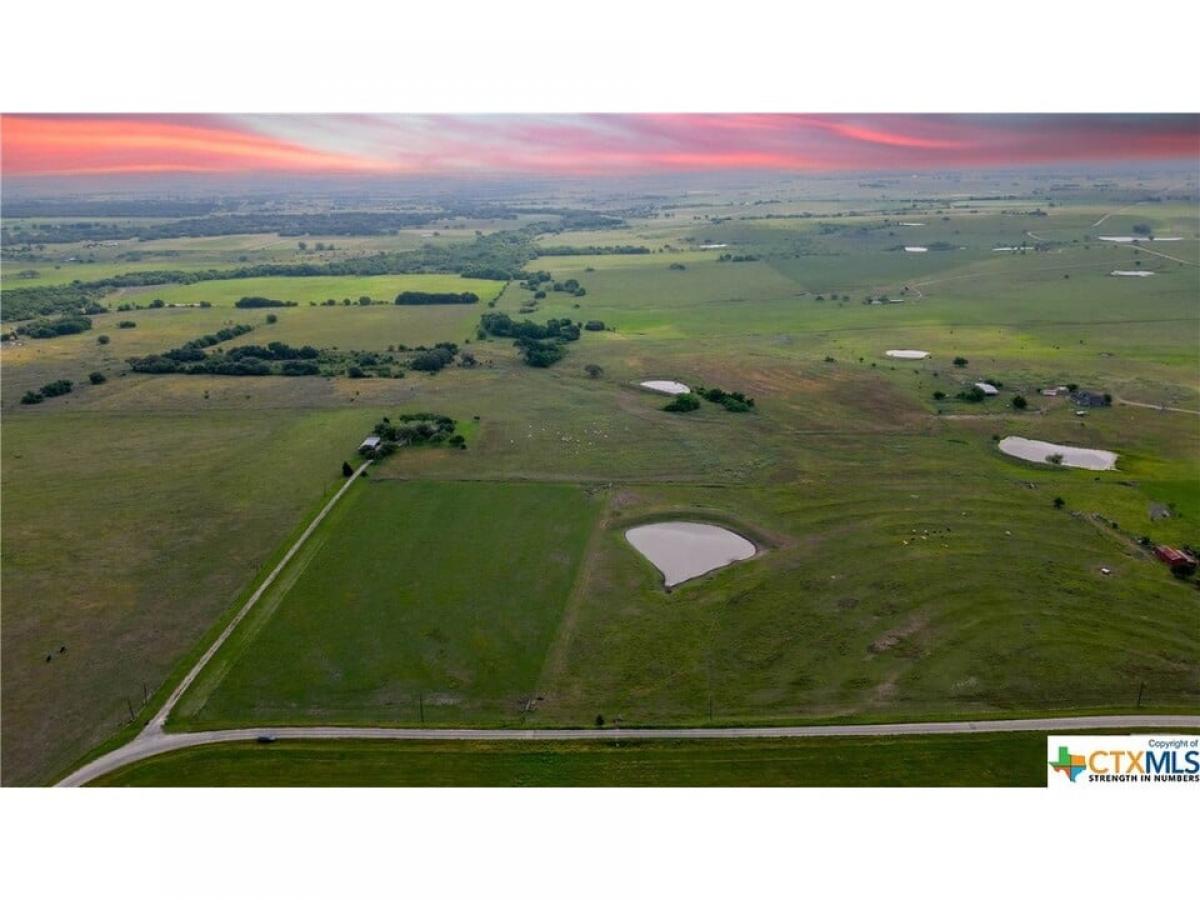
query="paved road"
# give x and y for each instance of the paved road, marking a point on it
(154, 742)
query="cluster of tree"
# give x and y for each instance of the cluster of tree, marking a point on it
(275, 350)
(49, 328)
(616, 250)
(415, 429)
(683, 403)
(48, 300)
(275, 358)
(219, 337)
(740, 257)
(540, 345)
(499, 324)
(534, 280)
(733, 401)
(570, 286)
(261, 302)
(53, 389)
(423, 298)
(435, 359)
(973, 394)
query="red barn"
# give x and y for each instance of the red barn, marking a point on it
(1173, 557)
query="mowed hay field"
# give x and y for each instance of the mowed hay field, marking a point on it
(426, 602)
(410, 601)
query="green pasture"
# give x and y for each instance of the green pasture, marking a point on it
(417, 602)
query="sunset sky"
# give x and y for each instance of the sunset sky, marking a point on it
(576, 144)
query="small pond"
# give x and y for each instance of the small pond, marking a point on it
(1075, 457)
(667, 387)
(686, 550)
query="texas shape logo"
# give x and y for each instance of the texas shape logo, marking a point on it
(1070, 765)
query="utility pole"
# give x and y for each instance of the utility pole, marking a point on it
(1141, 687)
(421, 705)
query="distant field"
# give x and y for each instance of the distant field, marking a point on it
(416, 600)
(318, 289)
(63, 263)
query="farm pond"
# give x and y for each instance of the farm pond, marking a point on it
(1075, 457)
(686, 550)
(666, 387)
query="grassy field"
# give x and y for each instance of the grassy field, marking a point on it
(417, 601)
(978, 760)
(910, 569)
(126, 559)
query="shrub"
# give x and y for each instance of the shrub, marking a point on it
(594, 325)
(1019, 402)
(939, 395)
(103, 339)
(97, 378)
(56, 388)
(1059, 502)
(126, 323)
(272, 318)
(960, 361)
(683, 403)
(32, 397)
(593, 370)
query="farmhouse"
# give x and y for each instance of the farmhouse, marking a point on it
(989, 389)
(370, 444)
(1090, 398)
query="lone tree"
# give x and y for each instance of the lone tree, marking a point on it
(939, 395)
(593, 370)
(1019, 402)
(599, 721)
(1059, 502)
(347, 471)
(960, 361)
